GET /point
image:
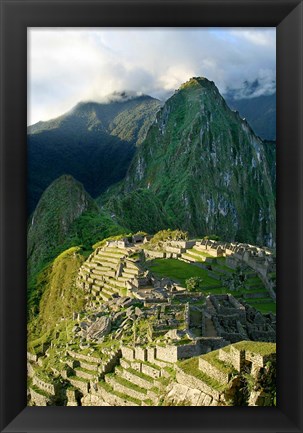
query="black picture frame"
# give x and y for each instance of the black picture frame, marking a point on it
(16, 16)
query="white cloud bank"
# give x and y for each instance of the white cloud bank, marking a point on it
(66, 65)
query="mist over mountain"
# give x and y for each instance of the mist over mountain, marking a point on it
(93, 142)
(201, 168)
(257, 105)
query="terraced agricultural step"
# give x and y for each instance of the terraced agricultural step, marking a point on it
(126, 387)
(111, 287)
(96, 289)
(79, 383)
(114, 249)
(147, 368)
(111, 262)
(108, 255)
(161, 364)
(85, 374)
(211, 365)
(115, 398)
(189, 374)
(188, 257)
(195, 255)
(89, 365)
(88, 267)
(119, 284)
(87, 358)
(125, 364)
(130, 273)
(122, 279)
(108, 290)
(90, 280)
(101, 270)
(131, 265)
(135, 377)
(105, 296)
(39, 397)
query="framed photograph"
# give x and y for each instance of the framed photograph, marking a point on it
(151, 216)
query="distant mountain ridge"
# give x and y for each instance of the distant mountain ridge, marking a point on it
(94, 142)
(257, 105)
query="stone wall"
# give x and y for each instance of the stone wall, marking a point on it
(140, 354)
(30, 370)
(259, 360)
(213, 372)
(105, 398)
(38, 399)
(150, 371)
(151, 354)
(82, 385)
(237, 358)
(188, 350)
(208, 344)
(84, 357)
(194, 382)
(45, 386)
(128, 353)
(175, 250)
(154, 254)
(183, 244)
(143, 383)
(168, 353)
(32, 357)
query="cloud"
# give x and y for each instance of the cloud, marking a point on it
(66, 65)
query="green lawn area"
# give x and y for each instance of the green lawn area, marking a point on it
(268, 307)
(257, 347)
(180, 271)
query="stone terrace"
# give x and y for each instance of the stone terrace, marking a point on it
(110, 272)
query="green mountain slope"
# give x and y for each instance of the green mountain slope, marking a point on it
(94, 142)
(55, 295)
(65, 216)
(203, 168)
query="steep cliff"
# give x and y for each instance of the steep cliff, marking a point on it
(205, 168)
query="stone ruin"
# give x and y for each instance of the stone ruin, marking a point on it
(180, 325)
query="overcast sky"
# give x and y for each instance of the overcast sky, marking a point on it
(66, 66)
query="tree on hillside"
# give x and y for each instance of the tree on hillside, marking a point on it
(193, 284)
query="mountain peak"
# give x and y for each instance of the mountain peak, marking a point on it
(59, 206)
(207, 167)
(198, 81)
